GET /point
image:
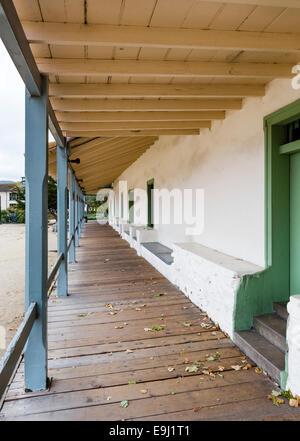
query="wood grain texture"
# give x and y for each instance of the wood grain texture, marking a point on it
(97, 345)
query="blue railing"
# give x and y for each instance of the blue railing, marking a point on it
(14, 351)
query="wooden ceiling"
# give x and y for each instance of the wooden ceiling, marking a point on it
(123, 72)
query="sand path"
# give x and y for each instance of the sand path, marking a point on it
(12, 275)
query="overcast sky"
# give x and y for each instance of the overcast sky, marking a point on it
(12, 120)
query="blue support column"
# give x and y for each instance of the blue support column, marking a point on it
(76, 215)
(71, 216)
(36, 270)
(62, 177)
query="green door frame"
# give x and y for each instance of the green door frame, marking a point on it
(131, 206)
(150, 186)
(257, 292)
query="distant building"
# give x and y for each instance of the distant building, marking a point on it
(7, 196)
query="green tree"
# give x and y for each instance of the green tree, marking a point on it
(52, 196)
(19, 191)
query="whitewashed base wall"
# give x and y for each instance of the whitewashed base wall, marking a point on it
(210, 279)
(293, 341)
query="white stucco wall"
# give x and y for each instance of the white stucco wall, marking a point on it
(228, 163)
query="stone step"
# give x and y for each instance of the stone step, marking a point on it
(262, 352)
(281, 309)
(273, 328)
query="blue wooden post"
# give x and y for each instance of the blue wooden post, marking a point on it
(81, 212)
(76, 215)
(71, 216)
(36, 270)
(62, 177)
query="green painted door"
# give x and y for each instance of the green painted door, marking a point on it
(295, 224)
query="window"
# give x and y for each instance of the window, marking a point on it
(12, 196)
(293, 131)
(131, 206)
(150, 187)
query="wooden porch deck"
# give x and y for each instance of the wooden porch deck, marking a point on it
(98, 344)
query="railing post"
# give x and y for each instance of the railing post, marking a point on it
(62, 177)
(71, 216)
(36, 271)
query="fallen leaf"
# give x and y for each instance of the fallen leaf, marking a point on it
(186, 360)
(247, 366)
(258, 370)
(143, 391)
(197, 409)
(158, 294)
(108, 398)
(187, 324)
(81, 315)
(147, 329)
(276, 393)
(221, 368)
(191, 369)
(236, 367)
(124, 403)
(132, 382)
(171, 369)
(129, 351)
(157, 328)
(293, 402)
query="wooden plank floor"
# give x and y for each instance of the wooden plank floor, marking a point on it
(98, 345)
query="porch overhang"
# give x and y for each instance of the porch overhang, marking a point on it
(122, 75)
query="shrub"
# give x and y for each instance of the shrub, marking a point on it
(4, 216)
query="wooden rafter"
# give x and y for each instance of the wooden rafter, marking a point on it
(134, 125)
(137, 116)
(273, 3)
(188, 69)
(116, 105)
(140, 132)
(154, 90)
(157, 37)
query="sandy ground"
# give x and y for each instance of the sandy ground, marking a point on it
(12, 276)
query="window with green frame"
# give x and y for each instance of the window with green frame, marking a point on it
(131, 206)
(150, 188)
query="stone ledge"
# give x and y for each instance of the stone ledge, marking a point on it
(237, 266)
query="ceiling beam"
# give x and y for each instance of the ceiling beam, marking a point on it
(113, 145)
(127, 133)
(113, 156)
(273, 3)
(156, 37)
(138, 116)
(54, 126)
(72, 90)
(134, 125)
(90, 105)
(189, 69)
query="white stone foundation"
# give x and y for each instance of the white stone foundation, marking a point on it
(293, 341)
(210, 279)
